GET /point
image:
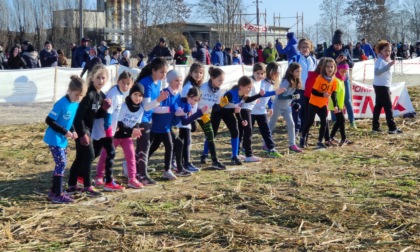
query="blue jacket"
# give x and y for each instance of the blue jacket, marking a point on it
(291, 48)
(217, 55)
(80, 55)
(368, 51)
(48, 59)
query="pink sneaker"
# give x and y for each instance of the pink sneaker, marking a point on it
(135, 184)
(99, 182)
(113, 187)
(295, 148)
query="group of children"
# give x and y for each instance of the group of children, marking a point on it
(147, 112)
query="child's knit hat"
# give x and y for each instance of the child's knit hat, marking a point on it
(136, 88)
(171, 75)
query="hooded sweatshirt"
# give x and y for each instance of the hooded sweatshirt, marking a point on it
(217, 55)
(291, 48)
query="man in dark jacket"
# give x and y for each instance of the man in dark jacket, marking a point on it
(248, 53)
(199, 53)
(81, 54)
(160, 50)
(48, 55)
(3, 59)
(91, 61)
(339, 54)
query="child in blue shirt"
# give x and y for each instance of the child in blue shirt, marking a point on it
(60, 125)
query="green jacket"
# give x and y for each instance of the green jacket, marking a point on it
(269, 54)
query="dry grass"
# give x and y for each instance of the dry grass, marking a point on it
(356, 198)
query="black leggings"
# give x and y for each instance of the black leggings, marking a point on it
(228, 116)
(82, 164)
(185, 137)
(245, 133)
(339, 124)
(166, 138)
(108, 145)
(264, 129)
(322, 113)
(383, 100)
(142, 149)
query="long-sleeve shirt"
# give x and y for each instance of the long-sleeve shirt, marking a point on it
(151, 93)
(162, 122)
(48, 59)
(90, 108)
(127, 121)
(383, 74)
(209, 96)
(307, 63)
(260, 107)
(368, 50)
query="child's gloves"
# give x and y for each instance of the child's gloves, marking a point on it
(106, 104)
(108, 132)
(205, 118)
(223, 101)
(296, 96)
(187, 108)
(84, 140)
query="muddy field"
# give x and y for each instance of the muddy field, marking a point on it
(362, 197)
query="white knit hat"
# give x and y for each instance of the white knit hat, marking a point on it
(172, 75)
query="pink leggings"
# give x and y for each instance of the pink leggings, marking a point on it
(128, 149)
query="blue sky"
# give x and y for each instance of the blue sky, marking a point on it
(287, 8)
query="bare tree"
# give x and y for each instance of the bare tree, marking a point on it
(413, 13)
(334, 16)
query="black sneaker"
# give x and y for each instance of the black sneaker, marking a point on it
(346, 142)
(203, 159)
(236, 161)
(396, 131)
(378, 130)
(218, 166)
(320, 145)
(183, 173)
(147, 181)
(330, 144)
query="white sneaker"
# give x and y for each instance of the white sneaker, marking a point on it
(125, 170)
(253, 159)
(241, 157)
(169, 175)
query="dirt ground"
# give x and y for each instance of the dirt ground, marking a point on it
(363, 197)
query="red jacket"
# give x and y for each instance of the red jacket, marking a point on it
(310, 81)
(260, 55)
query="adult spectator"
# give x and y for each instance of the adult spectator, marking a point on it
(180, 56)
(48, 55)
(199, 53)
(339, 54)
(114, 58)
(248, 53)
(25, 45)
(228, 53)
(367, 48)
(91, 61)
(319, 51)
(62, 60)
(418, 48)
(125, 61)
(411, 50)
(3, 59)
(31, 57)
(140, 62)
(260, 58)
(217, 55)
(81, 54)
(101, 51)
(15, 59)
(349, 48)
(107, 58)
(291, 48)
(72, 47)
(358, 52)
(270, 53)
(160, 50)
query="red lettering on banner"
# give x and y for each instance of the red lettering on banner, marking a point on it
(361, 89)
(368, 102)
(356, 103)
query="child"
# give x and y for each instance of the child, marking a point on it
(117, 95)
(245, 132)
(308, 63)
(259, 112)
(194, 79)
(236, 60)
(129, 119)
(231, 104)
(342, 69)
(162, 121)
(189, 106)
(93, 106)
(325, 86)
(60, 125)
(381, 84)
(210, 95)
(150, 78)
(282, 105)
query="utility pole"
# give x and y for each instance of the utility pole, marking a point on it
(258, 21)
(80, 19)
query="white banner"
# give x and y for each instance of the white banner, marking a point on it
(364, 100)
(254, 28)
